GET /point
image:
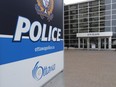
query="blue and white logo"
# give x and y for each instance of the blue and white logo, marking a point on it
(39, 71)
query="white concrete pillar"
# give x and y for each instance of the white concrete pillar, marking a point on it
(79, 43)
(88, 43)
(110, 43)
(83, 43)
(99, 43)
(104, 43)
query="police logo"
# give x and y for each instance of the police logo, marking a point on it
(45, 8)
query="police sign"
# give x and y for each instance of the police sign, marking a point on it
(31, 42)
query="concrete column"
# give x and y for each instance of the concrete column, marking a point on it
(110, 43)
(99, 43)
(88, 44)
(83, 43)
(79, 43)
(104, 43)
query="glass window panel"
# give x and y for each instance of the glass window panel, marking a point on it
(66, 31)
(66, 26)
(92, 14)
(93, 29)
(107, 12)
(113, 22)
(93, 3)
(113, 16)
(83, 20)
(65, 8)
(73, 12)
(83, 10)
(73, 21)
(83, 5)
(83, 15)
(66, 17)
(113, 6)
(114, 29)
(73, 7)
(74, 17)
(94, 19)
(113, 1)
(66, 13)
(102, 2)
(66, 22)
(113, 11)
(93, 9)
(74, 25)
(102, 29)
(108, 7)
(107, 23)
(107, 1)
(107, 17)
(107, 28)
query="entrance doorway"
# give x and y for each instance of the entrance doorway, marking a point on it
(94, 43)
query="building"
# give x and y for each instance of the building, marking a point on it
(90, 25)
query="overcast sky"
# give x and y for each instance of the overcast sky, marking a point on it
(73, 1)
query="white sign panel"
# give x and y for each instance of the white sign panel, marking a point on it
(31, 42)
(95, 34)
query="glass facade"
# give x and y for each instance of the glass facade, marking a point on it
(88, 17)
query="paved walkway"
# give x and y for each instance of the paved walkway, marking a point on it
(90, 68)
(87, 69)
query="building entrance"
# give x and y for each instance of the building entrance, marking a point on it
(94, 43)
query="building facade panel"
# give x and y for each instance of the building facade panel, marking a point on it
(92, 17)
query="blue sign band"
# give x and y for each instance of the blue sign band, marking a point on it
(16, 51)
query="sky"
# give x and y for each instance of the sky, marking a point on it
(73, 1)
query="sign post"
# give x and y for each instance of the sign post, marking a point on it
(31, 42)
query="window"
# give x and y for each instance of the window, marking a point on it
(102, 13)
(83, 10)
(113, 1)
(107, 23)
(83, 20)
(66, 31)
(66, 18)
(94, 3)
(113, 11)
(113, 22)
(94, 14)
(74, 17)
(74, 25)
(93, 29)
(113, 16)
(66, 22)
(102, 8)
(73, 21)
(94, 19)
(74, 12)
(114, 29)
(65, 8)
(113, 6)
(83, 5)
(94, 24)
(102, 2)
(108, 7)
(66, 13)
(73, 7)
(107, 12)
(107, 29)
(66, 26)
(107, 1)
(83, 15)
(93, 9)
